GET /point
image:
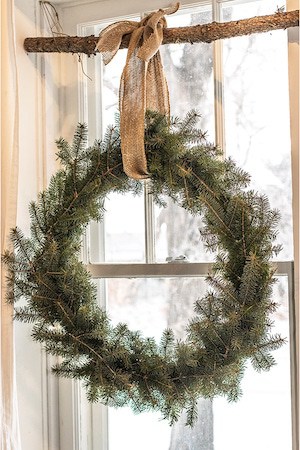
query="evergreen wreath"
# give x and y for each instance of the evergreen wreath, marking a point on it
(231, 324)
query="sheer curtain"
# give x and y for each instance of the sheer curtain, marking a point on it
(9, 186)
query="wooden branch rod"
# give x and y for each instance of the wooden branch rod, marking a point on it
(192, 34)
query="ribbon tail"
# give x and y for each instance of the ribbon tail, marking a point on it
(172, 9)
(157, 92)
(132, 115)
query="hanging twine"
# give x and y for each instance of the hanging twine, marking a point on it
(143, 84)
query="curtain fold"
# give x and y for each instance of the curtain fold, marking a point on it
(10, 439)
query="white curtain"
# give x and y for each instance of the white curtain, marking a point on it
(9, 188)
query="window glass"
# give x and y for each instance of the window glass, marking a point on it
(124, 218)
(110, 88)
(154, 304)
(261, 419)
(257, 112)
(120, 236)
(178, 233)
(189, 71)
(151, 305)
(124, 228)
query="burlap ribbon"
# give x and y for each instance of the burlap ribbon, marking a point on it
(143, 83)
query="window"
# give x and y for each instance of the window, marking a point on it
(233, 85)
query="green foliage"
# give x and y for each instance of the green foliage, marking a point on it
(231, 322)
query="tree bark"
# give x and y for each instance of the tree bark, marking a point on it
(192, 34)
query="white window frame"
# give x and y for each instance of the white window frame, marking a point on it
(76, 16)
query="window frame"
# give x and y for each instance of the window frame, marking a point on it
(76, 18)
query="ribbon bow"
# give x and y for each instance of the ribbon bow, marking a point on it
(143, 84)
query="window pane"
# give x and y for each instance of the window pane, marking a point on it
(124, 218)
(261, 419)
(120, 237)
(189, 71)
(151, 305)
(257, 112)
(111, 75)
(124, 228)
(178, 233)
(135, 432)
(110, 89)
